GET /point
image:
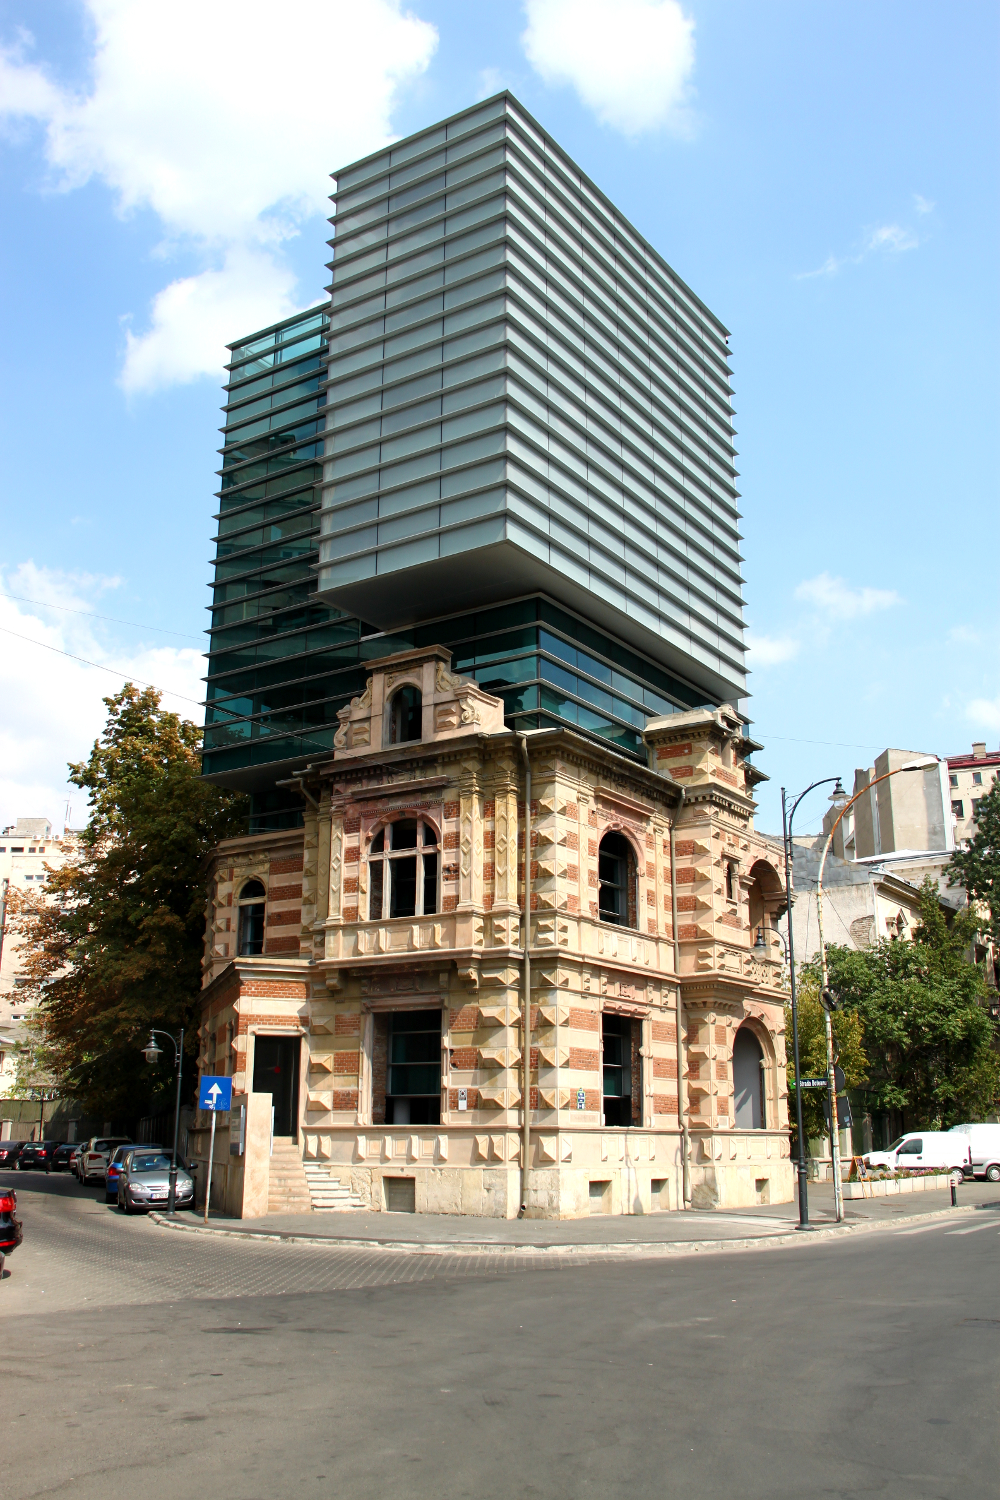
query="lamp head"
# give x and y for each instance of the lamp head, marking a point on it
(838, 790)
(759, 949)
(923, 764)
(152, 1052)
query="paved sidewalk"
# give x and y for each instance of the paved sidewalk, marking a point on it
(774, 1223)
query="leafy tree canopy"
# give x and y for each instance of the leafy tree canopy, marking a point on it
(848, 1042)
(978, 866)
(115, 943)
(928, 1036)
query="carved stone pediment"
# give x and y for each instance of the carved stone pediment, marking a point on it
(448, 705)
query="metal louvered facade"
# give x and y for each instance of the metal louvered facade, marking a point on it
(524, 399)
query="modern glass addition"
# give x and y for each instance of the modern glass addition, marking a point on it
(403, 871)
(412, 407)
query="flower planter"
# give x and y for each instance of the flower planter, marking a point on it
(889, 1187)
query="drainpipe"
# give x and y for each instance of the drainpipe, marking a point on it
(682, 1093)
(526, 981)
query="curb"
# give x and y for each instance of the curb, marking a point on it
(633, 1249)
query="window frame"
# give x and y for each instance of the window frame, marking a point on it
(388, 856)
(630, 887)
(397, 708)
(246, 904)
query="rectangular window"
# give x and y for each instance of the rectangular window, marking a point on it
(975, 806)
(953, 780)
(958, 809)
(622, 1071)
(413, 1083)
(977, 778)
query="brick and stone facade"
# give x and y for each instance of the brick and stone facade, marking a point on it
(333, 978)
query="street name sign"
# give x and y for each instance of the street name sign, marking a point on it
(813, 1083)
(215, 1093)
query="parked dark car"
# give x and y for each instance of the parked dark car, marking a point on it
(11, 1232)
(37, 1154)
(63, 1157)
(10, 1151)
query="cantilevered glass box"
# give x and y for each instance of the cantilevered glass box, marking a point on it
(524, 399)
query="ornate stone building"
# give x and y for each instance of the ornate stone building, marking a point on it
(366, 976)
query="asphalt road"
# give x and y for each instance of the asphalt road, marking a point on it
(140, 1361)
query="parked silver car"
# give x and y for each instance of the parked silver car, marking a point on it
(144, 1181)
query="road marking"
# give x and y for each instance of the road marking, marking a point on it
(975, 1228)
(921, 1229)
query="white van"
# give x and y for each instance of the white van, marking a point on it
(923, 1149)
(984, 1144)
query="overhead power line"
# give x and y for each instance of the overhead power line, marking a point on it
(92, 614)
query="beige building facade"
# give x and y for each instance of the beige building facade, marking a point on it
(27, 851)
(387, 1021)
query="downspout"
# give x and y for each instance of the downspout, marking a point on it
(526, 983)
(682, 1093)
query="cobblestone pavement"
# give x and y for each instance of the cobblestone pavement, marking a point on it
(78, 1253)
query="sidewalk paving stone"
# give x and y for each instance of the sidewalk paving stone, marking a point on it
(607, 1234)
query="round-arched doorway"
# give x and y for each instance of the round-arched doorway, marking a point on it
(749, 1094)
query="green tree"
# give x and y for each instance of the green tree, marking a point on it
(928, 1034)
(977, 867)
(848, 1042)
(115, 943)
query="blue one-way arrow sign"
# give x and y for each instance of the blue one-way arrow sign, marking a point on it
(215, 1093)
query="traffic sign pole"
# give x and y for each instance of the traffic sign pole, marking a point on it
(211, 1158)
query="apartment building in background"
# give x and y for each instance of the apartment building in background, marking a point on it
(27, 848)
(969, 779)
(477, 518)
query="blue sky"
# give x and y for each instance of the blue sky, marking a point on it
(824, 175)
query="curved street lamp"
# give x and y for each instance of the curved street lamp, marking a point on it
(152, 1053)
(786, 833)
(829, 1002)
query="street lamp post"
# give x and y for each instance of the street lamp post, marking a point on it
(151, 1053)
(786, 832)
(829, 1002)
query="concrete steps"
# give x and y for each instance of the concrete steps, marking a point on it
(327, 1192)
(288, 1190)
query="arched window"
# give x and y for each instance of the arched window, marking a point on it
(749, 1093)
(403, 871)
(405, 712)
(250, 931)
(616, 872)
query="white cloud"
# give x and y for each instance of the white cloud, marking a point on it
(837, 600)
(891, 237)
(770, 651)
(922, 205)
(985, 712)
(491, 81)
(194, 318)
(52, 704)
(225, 118)
(630, 61)
(887, 239)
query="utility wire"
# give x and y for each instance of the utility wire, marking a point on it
(114, 620)
(169, 692)
(221, 708)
